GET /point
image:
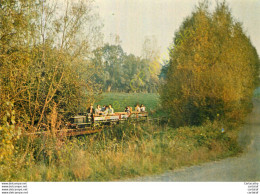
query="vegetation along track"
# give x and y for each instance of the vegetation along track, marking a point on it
(244, 167)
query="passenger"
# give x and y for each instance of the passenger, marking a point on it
(98, 110)
(142, 108)
(137, 108)
(91, 109)
(103, 108)
(127, 109)
(130, 109)
(110, 109)
(90, 113)
(105, 112)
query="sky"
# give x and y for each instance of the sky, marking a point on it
(134, 20)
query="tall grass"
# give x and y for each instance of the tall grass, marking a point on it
(118, 152)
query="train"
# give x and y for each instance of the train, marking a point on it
(86, 123)
(84, 120)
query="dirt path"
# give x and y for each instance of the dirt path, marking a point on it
(245, 167)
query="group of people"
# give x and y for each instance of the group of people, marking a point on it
(105, 110)
(138, 108)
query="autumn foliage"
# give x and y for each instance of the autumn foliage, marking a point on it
(44, 51)
(213, 69)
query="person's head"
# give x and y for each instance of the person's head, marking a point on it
(91, 106)
(110, 106)
(106, 107)
(98, 106)
(141, 105)
(137, 105)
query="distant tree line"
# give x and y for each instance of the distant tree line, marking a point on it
(121, 72)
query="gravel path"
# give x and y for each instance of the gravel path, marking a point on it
(245, 167)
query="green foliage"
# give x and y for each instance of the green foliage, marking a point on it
(120, 72)
(110, 59)
(213, 69)
(257, 93)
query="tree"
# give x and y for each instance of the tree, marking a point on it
(152, 58)
(212, 71)
(45, 54)
(122, 72)
(109, 59)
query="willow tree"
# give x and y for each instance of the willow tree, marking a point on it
(213, 69)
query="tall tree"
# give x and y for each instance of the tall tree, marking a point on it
(110, 60)
(151, 55)
(213, 69)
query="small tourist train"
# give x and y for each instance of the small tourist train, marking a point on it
(95, 120)
(85, 120)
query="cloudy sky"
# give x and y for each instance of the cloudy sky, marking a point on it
(133, 20)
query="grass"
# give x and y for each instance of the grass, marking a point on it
(120, 152)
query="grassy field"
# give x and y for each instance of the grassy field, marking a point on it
(120, 100)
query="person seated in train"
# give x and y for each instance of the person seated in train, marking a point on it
(127, 110)
(137, 108)
(142, 108)
(103, 108)
(105, 112)
(110, 109)
(98, 110)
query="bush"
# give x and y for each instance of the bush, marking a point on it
(9, 133)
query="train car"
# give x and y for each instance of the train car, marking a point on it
(82, 121)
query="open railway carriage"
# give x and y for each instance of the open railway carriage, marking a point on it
(83, 121)
(87, 124)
